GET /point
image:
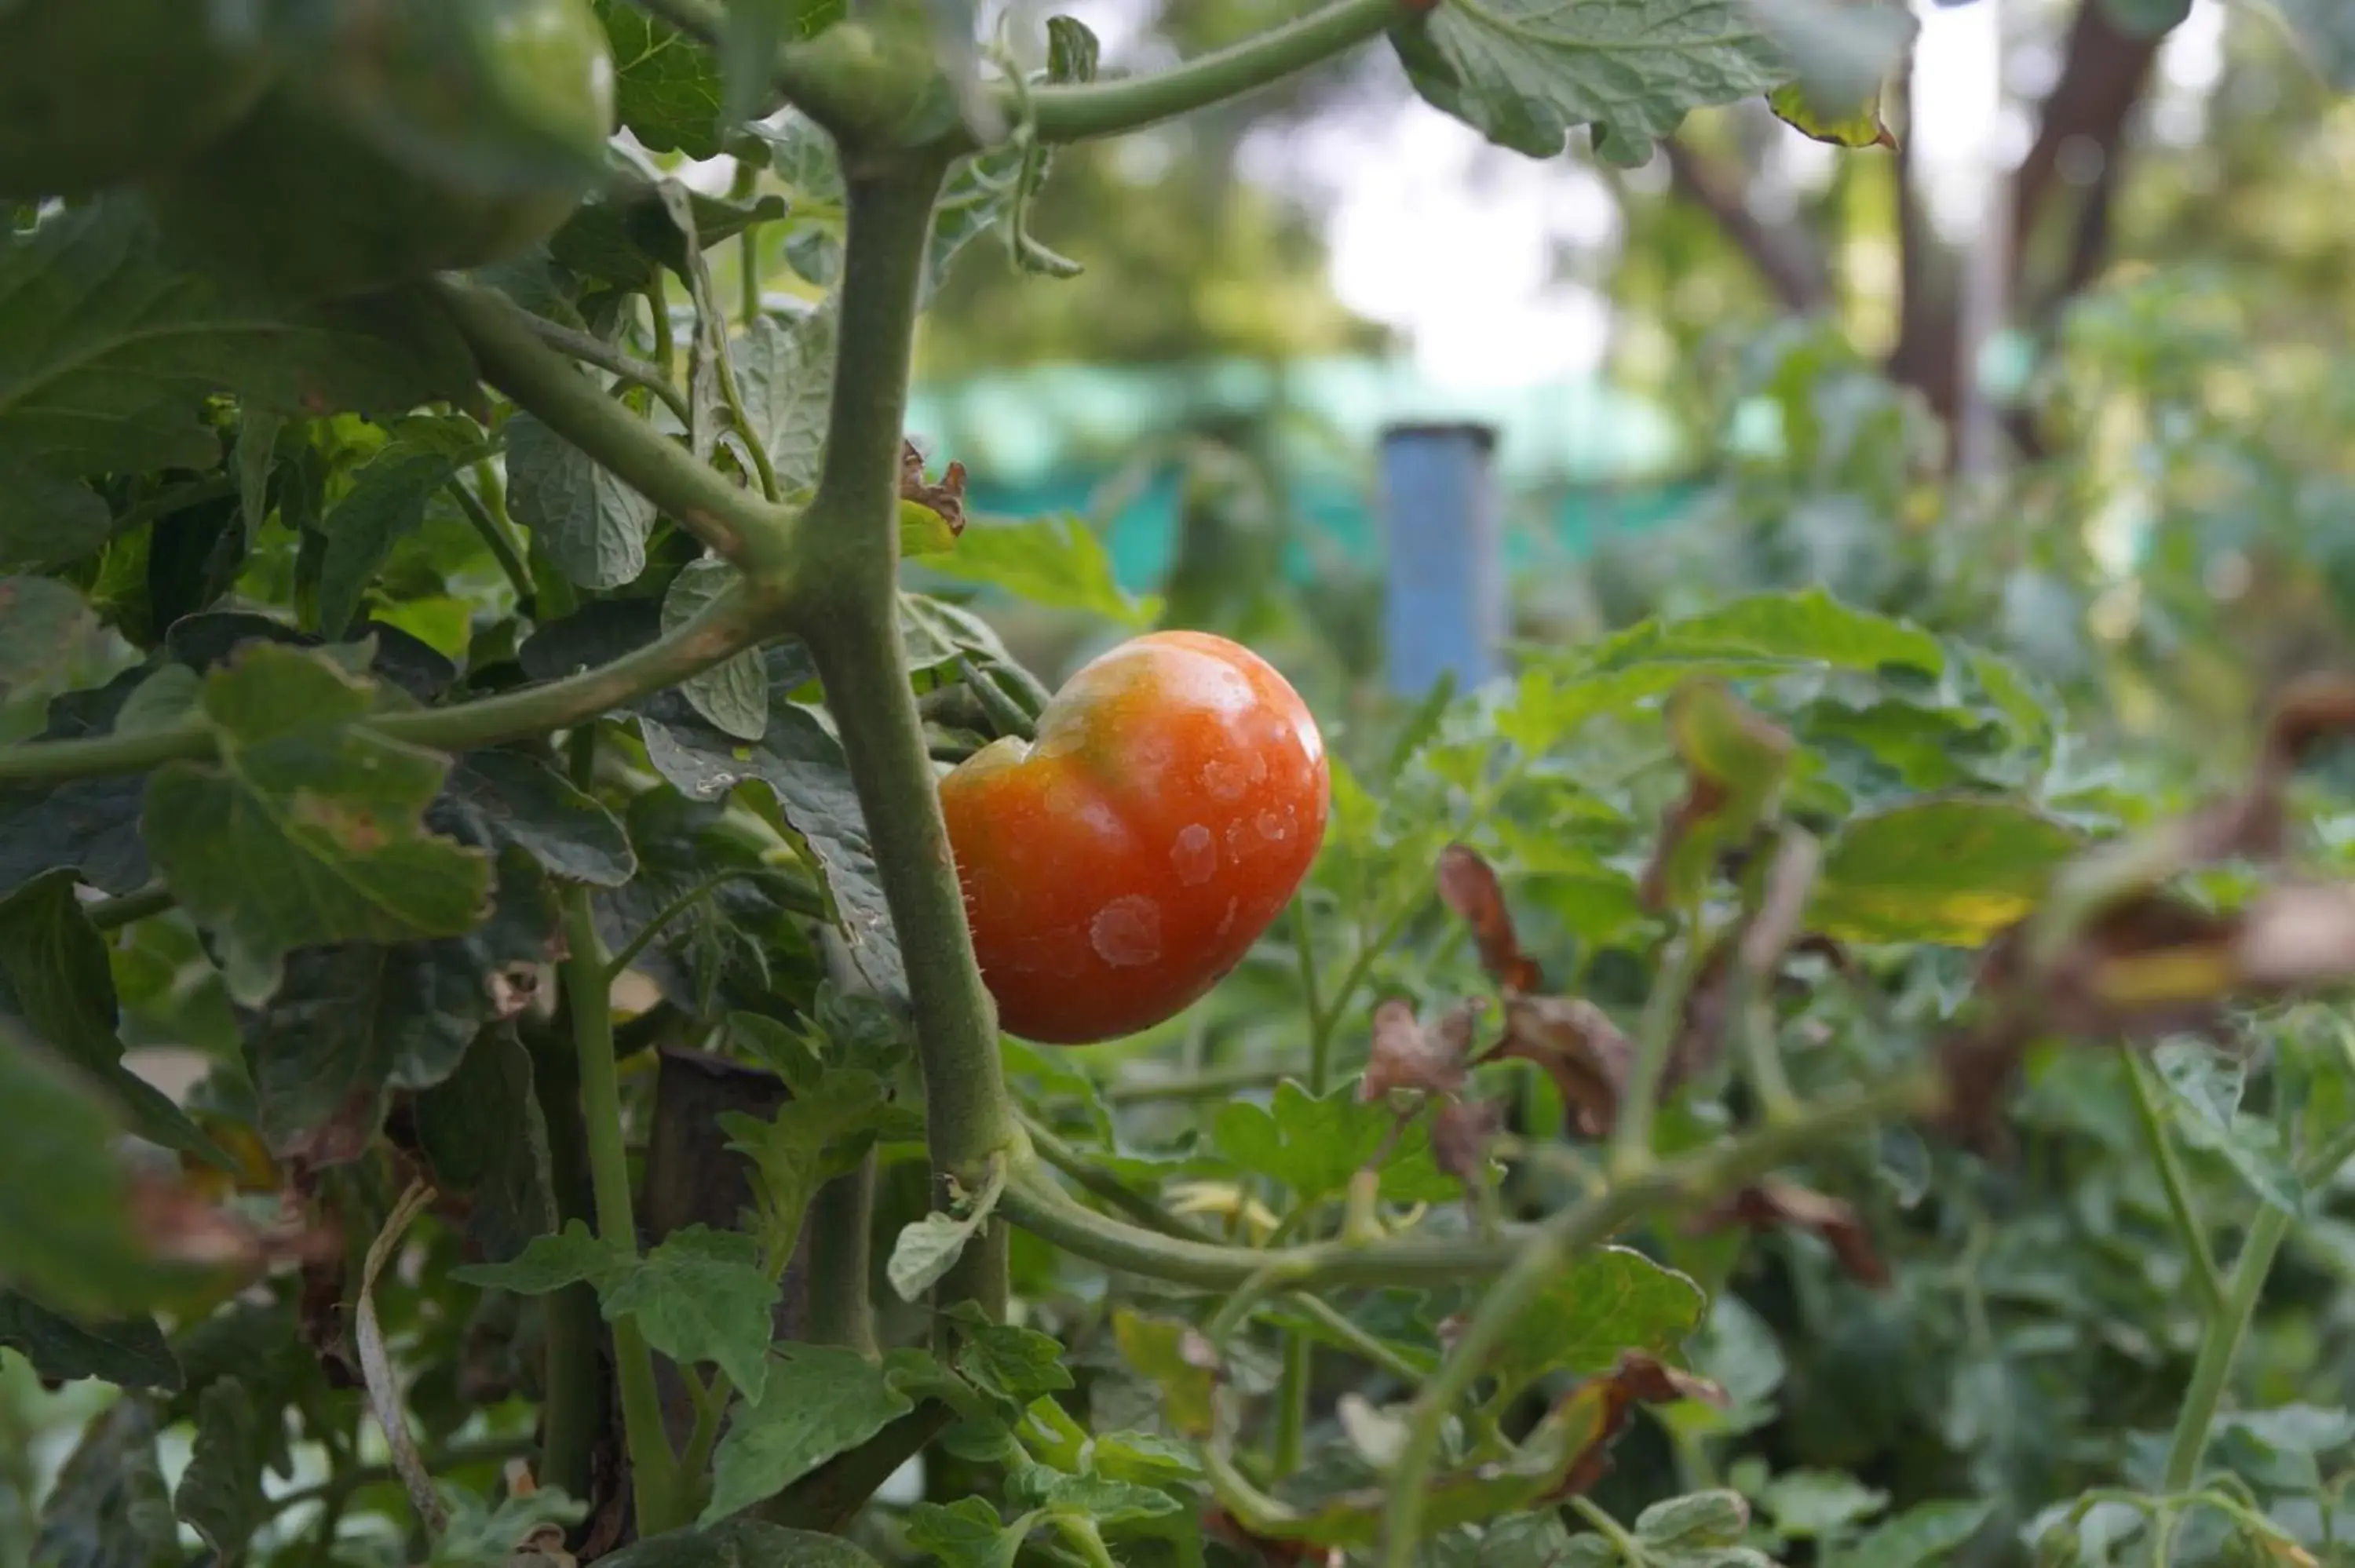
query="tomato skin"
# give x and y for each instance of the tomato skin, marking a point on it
(96, 91)
(1117, 866)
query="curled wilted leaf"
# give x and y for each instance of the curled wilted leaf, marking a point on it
(1406, 1055)
(938, 510)
(1468, 886)
(1736, 762)
(1579, 1047)
(1592, 1415)
(1461, 1133)
(1773, 1203)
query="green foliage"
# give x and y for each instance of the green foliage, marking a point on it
(481, 976)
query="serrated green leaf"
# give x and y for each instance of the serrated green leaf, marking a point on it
(1525, 73)
(571, 1256)
(625, 235)
(1008, 1363)
(513, 799)
(1605, 1301)
(2204, 1087)
(821, 1133)
(483, 1537)
(820, 1399)
(1848, 125)
(733, 697)
(106, 354)
(967, 1533)
(355, 1018)
(804, 769)
(1924, 1533)
(1057, 562)
(1810, 1503)
(1807, 626)
(702, 1296)
(88, 824)
(930, 1247)
(783, 372)
(1952, 872)
(309, 829)
(221, 1492)
(667, 88)
(108, 1508)
(594, 526)
(1695, 1521)
(129, 1353)
(482, 1133)
(386, 504)
(1313, 1146)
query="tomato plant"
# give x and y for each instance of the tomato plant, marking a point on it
(501, 885)
(1120, 863)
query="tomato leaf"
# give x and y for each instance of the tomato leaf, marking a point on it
(385, 504)
(1606, 1301)
(129, 1353)
(1952, 872)
(803, 769)
(593, 525)
(309, 829)
(1058, 562)
(54, 977)
(514, 800)
(483, 1132)
(221, 1492)
(569, 1256)
(64, 1236)
(108, 1508)
(44, 624)
(784, 371)
(967, 1533)
(733, 697)
(1313, 1146)
(701, 1296)
(930, 1247)
(1524, 73)
(819, 1401)
(667, 87)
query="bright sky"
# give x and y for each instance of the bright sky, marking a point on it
(1459, 245)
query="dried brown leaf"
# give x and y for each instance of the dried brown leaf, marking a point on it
(1773, 1203)
(945, 500)
(1580, 1048)
(1461, 1133)
(1406, 1055)
(1598, 1410)
(1468, 886)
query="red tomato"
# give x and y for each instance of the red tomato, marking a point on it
(1115, 868)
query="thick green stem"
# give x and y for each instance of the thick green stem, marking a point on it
(1631, 1138)
(843, 597)
(731, 624)
(745, 528)
(573, 1414)
(841, 1262)
(1128, 103)
(653, 1467)
(2206, 1281)
(1033, 1202)
(595, 351)
(2213, 1367)
(109, 914)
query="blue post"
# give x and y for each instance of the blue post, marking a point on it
(1445, 606)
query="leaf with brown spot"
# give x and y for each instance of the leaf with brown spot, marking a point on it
(1598, 1410)
(1468, 886)
(1579, 1047)
(1736, 762)
(1773, 1203)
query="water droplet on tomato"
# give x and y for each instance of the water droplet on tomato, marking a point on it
(1126, 932)
(1195, 854)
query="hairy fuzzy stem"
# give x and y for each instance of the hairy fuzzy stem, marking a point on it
(843, 593)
